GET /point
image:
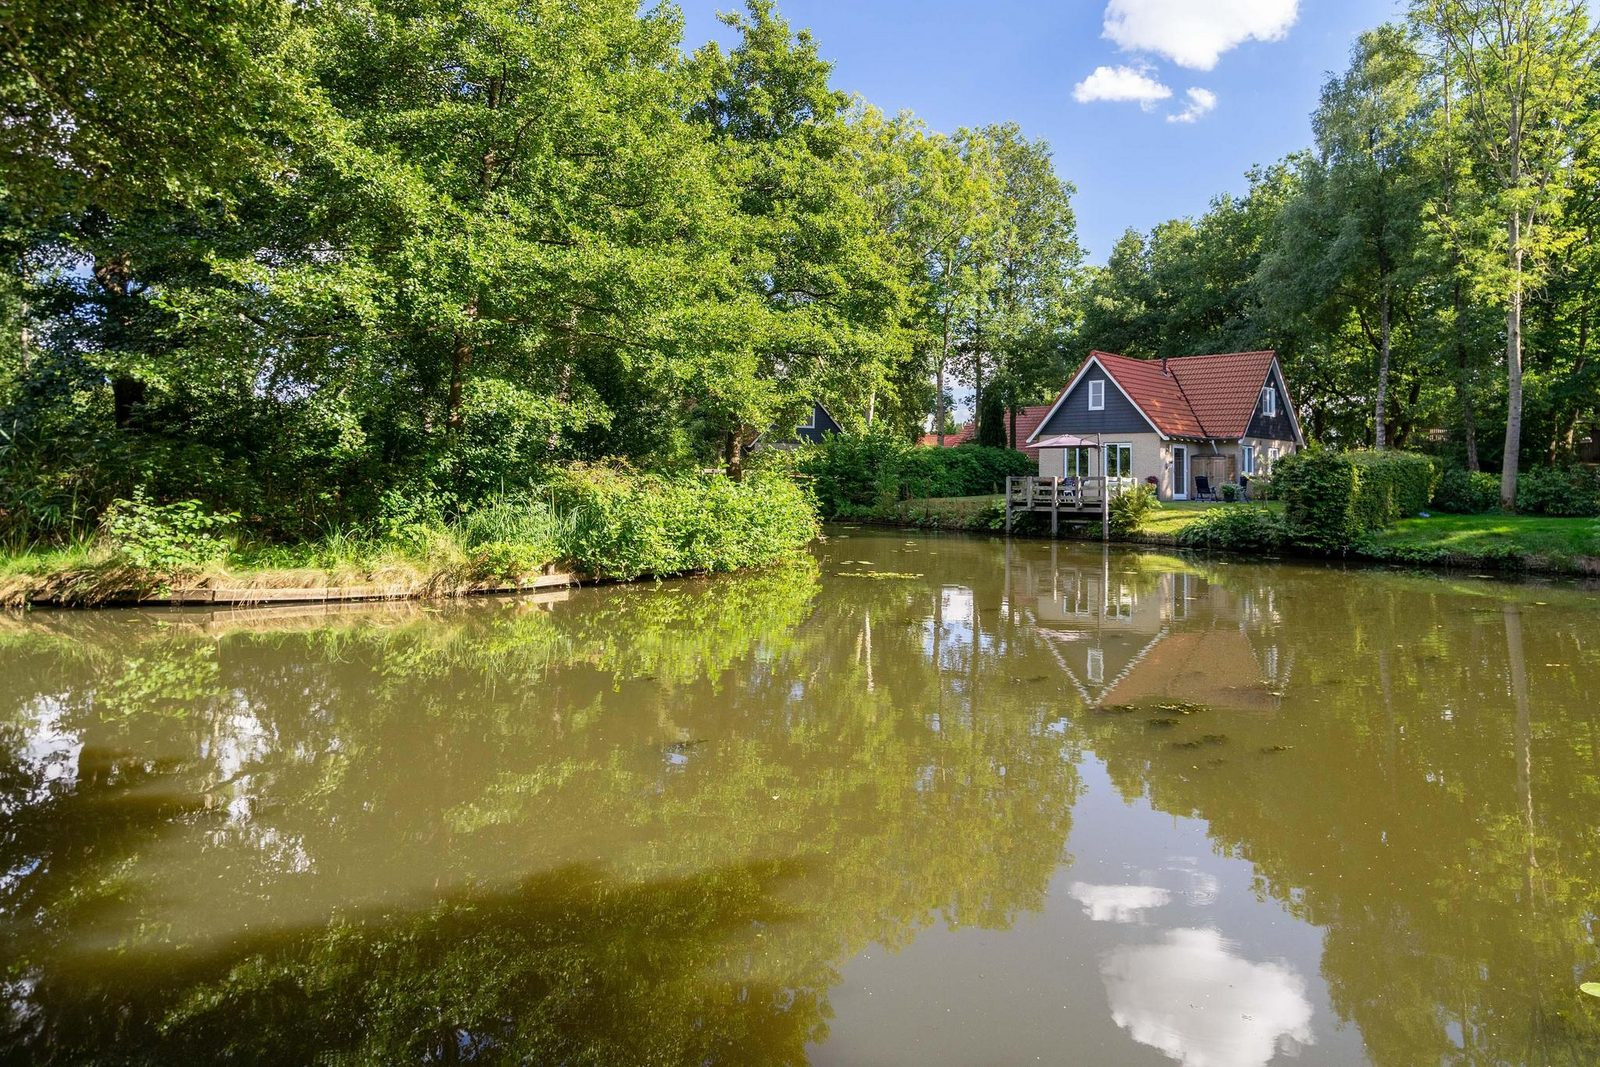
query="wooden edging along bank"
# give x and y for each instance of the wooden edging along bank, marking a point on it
(247, 596)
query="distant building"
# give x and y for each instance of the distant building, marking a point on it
(1028, 420)
(818, 425)
(1172, 422)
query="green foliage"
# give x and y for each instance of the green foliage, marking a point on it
(1248, 528)
(1391, 485)
(1228, 491)
(1466, 492)
(166, 538)
(1131, 507)
(625, 524)
(1572, 492)
(857, 474)
(1333, 498)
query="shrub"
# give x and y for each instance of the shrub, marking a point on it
(1391, 485)
(1333, 498)
(1261, 488)
(1572, 492)
(1466, 492)
(1228, 491)
(1318, 487)
(165, 538)
(855, 475)
(1131, 507)
(1242, 529)
(625, 525)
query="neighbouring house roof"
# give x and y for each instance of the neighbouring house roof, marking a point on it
(1212, 396)
(1028, 420)
(961, 435)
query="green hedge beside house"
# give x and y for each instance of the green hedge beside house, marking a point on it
(1333, 498)
(855, 475)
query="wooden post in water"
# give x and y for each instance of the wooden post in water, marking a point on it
(1055, 504)
(1009, 481)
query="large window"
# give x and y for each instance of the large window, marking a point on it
(1119, 461)
(1269, 401)
(1077, 462)
(1249, 459)
(1097, 395)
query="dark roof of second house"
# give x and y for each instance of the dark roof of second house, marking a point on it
(1189, 396)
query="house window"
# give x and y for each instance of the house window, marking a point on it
(811, 419)
(1272, 457)
(1119, 461)
(1269, 401)
(1077, 463)
(1097, 395)
(1249, 466)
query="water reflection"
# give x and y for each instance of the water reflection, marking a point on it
(512, 830)
(1192, 996)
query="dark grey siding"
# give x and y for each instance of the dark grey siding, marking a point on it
(822, 424)
(1074, 416)
(1278, 427)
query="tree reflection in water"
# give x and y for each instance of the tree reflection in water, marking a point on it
(651, 824)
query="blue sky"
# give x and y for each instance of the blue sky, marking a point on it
(962, 63)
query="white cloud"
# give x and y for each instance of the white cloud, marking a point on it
(1201, 101)
(1118, 903)
(1120, 84)
(1194, 33)
(1193, 997)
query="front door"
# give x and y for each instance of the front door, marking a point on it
(1180, 472)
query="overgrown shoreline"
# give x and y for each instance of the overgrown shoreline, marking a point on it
(587, 525)
(1527, 542)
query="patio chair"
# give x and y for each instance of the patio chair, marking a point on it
(1203, 489)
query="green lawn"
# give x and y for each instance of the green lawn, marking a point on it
(1495, 536)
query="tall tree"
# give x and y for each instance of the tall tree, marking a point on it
(1523, 67)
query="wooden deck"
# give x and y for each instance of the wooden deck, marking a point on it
(1073, 499)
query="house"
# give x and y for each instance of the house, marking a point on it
(1028, 420)
(1221, 417)
(817, 425)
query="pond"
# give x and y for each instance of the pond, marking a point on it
(915, 800)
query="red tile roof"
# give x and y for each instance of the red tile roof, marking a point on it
(961, 435)
(1192, 396)
(1028, 420)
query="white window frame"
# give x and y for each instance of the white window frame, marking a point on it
(1247, 464)
(1122, 470)
(1097, 394)
(1269, 401)
(811, 420)
(1272, 458)
(1077, 462)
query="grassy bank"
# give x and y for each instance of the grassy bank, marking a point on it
(1488, 542)
(603, 524)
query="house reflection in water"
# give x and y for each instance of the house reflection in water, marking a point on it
(1149, 629)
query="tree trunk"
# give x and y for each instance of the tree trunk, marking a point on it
(1509, 462)
(1012, 436)
(735, 453)
(938, 403)
(1380, 437)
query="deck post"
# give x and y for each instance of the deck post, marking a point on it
(1105, 509)
(1055, 505)
(1009, 481)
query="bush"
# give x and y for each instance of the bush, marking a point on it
(1261, 488)
(1242, 529)
(856, 475)
(1572, 492)
(1466, 492)
(1131, 507)
(625, 525)
(165, 538)
(1391, 485)
(1228, 491)
(514, 535)
(1333, 498)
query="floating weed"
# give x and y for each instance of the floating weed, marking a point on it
(1161, 723)
(876, 574)
(1591, 988)
(1269, 749)
(1181, 708)
(1215, 739)
(1030, 680)
(1201, 742)
(1116, 709)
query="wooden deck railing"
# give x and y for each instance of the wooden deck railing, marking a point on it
(1074, 496)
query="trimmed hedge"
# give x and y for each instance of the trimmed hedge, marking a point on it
(1245, 528)
(855, 475)
(1333, 498)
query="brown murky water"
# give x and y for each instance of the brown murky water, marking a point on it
(994, 805)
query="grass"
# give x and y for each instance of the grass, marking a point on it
(1535, 541)
(1518, 542)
